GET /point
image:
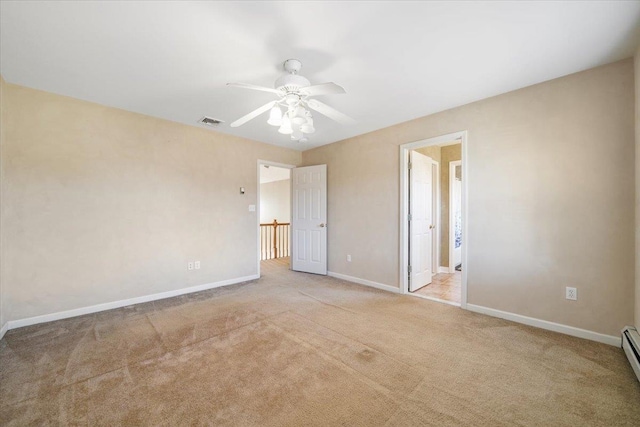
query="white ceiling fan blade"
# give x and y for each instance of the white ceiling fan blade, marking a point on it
(323, 89)
(253, 114)
(255, 87)
(330, 112)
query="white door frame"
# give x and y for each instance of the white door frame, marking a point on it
(436, 217)
(279, 165)
(452, 237)
(404, 207)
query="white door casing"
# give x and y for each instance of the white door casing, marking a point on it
(421, 223)
(435, 215)
(403, 165)
(455, 206)
(259, 172)
(309, 219)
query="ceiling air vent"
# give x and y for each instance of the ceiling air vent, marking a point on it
(210, 121)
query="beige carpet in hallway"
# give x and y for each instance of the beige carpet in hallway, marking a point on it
(294, 349)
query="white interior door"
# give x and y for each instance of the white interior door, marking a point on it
(421, 222)
(309, 219)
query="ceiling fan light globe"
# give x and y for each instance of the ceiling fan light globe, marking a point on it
(285, 130)
(296, 135)
(298, 121)
(275, 116)
(307, 128)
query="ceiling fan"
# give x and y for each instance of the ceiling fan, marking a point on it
(294, 95)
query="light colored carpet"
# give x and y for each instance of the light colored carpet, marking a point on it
(294, 349)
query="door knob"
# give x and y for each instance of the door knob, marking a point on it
(322, 225)
(431, 227)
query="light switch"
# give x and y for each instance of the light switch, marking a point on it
(252, 208)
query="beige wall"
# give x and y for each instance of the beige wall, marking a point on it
(433, 151)
(3, 298)
(449, 153)
(275, 201)
(103, 205)
(637, 119)
(551, 190)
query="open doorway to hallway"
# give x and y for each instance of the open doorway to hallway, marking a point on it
(433, 230)
(275, 215)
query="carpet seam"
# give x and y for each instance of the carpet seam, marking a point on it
(56, 388)
(63, 386)
(329, 304)
(336, 362)
(353, 339)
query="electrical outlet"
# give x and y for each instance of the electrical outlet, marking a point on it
(197, 265)
(572, 293)
(348, 258)
(190, 265)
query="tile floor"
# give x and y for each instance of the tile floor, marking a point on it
(444, 286)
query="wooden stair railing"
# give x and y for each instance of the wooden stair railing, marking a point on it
(274, 240)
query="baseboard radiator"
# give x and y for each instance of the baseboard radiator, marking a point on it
(631, 346)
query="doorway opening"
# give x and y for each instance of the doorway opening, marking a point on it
(274, 215)
(433, 220)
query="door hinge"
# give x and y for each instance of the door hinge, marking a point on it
(410, 165)
(409, 268)
(409, 217)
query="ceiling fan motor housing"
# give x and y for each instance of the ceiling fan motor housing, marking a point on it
(291, 83)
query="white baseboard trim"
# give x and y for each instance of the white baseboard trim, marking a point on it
(123, 303)
(550, 326)
(443, 270)
(364, 282)
(4, 329)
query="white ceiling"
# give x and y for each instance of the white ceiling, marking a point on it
(273, 173)
(397, 60)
